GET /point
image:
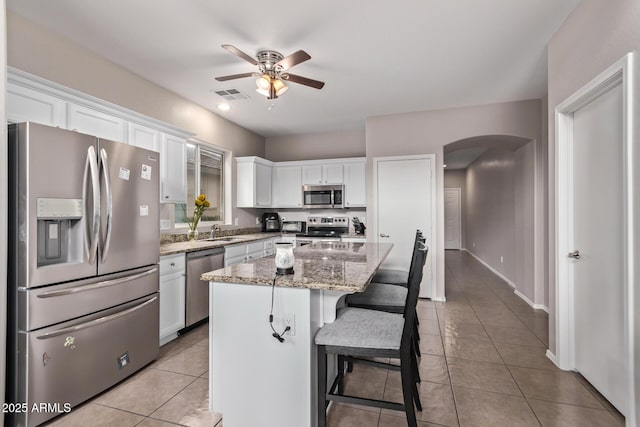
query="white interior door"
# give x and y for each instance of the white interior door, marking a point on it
(598, 279)
(452, 218)
(404, 203)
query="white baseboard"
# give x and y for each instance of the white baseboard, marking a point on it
(440, 299)
(496, 272)
(552, 357)
(524, 298)
(510, 283)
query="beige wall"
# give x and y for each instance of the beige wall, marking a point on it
(428, 131)
(323, 145)
(594, 36)
(457, 178)
(38, 51)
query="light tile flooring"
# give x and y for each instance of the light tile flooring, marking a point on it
(483, 364)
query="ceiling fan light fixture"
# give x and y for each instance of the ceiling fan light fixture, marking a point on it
(263, 82)
(279, 87)
(263, 92)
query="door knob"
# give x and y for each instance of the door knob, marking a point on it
(574, 254)
(384, 235)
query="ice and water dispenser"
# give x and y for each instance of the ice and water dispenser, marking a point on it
(59, 231)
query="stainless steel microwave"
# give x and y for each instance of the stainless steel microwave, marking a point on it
(322, 196)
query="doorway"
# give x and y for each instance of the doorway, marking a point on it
(594, 327)
(452, 218)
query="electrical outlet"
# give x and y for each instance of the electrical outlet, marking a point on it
(165, 224)
(258, 220)
(290, 321)
(501, 259)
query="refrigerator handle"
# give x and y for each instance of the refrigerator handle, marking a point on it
(104, 164)
(91, 237)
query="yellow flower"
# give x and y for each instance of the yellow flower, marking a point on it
(202, 197)
(199, 202)
(206, 204)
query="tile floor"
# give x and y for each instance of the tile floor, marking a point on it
(483, 364)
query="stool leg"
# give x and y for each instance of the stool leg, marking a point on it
(340, 374)
(414, 368)
(408, 385)
(322, 386)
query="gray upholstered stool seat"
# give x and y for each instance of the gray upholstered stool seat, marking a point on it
(391, 276)
(380, 295)
(361, 328)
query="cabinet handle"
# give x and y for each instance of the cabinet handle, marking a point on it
(173, 264)
(166, 197)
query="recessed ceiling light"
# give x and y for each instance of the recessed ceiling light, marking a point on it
(224, 107)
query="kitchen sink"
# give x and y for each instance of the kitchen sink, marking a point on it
(221, 239)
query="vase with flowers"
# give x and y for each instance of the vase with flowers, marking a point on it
(201, 203)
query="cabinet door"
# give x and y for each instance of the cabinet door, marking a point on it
(312, 175)
(144, 137)
(355, 185)
(333, 174)
(96, 123)
(173, 170)
(28, 105)
(263, 185)
(289, 186)
(171, 305)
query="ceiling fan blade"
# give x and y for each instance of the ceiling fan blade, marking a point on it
(237, 52)
(293, 59)
(233, 76)
(303, 81)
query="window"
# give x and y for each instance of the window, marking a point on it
(205, 173)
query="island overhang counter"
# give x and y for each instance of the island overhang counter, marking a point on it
(254, 379)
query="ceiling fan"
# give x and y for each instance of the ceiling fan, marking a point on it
(271, 71)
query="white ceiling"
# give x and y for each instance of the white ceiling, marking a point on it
(376, 57)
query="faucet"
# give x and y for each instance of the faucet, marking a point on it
(214, 228)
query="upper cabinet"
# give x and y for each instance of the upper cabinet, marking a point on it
(173, 169)
(94, 122)
(28, 105)
(144, 137)
(253, 177)
(318, 174)
(288, 186)
(355, 184)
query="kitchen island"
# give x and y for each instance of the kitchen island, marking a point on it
(254, 379)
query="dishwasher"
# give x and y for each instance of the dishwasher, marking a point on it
(197, 291)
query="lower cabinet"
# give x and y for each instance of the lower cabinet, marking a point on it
(172, 294)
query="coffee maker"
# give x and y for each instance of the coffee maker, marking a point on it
(270, 222)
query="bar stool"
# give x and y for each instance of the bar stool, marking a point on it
(389, 297)
(358, 332)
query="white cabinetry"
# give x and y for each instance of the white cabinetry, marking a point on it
(94, 122)
(355, 187)
(173, 169)
(317, 174)
(288, 186)
(144, 137)
(28, 105)
(253, 176)
(172, 270)
(236, 254)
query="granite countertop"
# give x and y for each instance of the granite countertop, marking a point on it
(337, 266)
(199, 245)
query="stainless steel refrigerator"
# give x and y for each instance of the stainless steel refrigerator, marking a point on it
(83, 283)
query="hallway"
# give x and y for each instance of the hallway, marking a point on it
(483, 364)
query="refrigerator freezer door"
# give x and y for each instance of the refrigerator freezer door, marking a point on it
(130, 224)
(75, 360)
(48, 167)
(54, 304)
